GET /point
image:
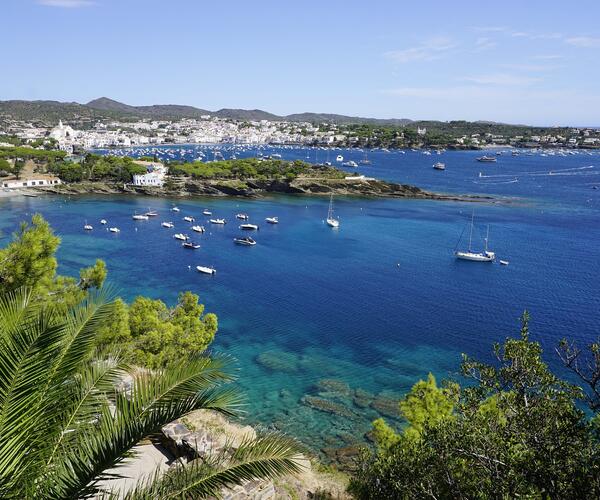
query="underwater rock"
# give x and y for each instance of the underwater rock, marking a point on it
(333, 386)
(327, 406)
(362, 398)
(345, 457)
(279, 361)
(386, 406)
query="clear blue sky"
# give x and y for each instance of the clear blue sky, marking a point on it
(535, 62)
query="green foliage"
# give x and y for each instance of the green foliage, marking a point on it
(515, 431)
(5, 165)
(97, 168)
(252, 168)
(94, 276)
(161, 335)
(64, 423)
(26, 153)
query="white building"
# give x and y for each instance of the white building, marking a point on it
(25, 183)
(154, 176)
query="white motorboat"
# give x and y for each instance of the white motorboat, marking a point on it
(175, 209)
(339, 158)
(103, 221)
(485, 256)
(139, 217)
(249, 227)
(330, 220)
(114, 230)
(191, 245)
(218, 221)
(187, 218)
(181, 236)
(207, 212)
(244, 241)
(198, 229)
(88, 227)
(206, 270)
(439, 166)
(242, 216)
(151, 213)
(167, 224)
(487, 159)
(350, 164)
(504, 262)
(272, 220)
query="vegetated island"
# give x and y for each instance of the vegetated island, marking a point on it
(248, 177)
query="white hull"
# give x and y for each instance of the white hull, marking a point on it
(206, 270)
(249, 227)
(476, 257)
(333, 223)
(198, 229)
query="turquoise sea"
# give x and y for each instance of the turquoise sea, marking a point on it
(331, 327)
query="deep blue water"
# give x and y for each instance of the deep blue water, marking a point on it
(376, 304)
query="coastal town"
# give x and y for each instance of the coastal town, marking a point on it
(208, 129)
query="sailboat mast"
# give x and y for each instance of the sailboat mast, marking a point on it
(471, 231)
(487, 235)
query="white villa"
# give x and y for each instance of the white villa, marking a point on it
(25, 183)
(154, 176)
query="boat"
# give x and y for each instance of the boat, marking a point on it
(175, 209)
(218, 221)
(139, 217)
(189, 219)
(275, 156)
(327, 164)
(114, 230)
(244, 241)
(198, 229)
(350, 163)
(242, 216)
(487, 159)
(88, 227)
(330, 220)
(439, 166)
(365, 160)
(339, 158)
(504, 262)
(102, 221)
(167, 224)
(191, 245)
(206, 270)
(151, 213)
(272, 220)
(485, 256)
(249, 227)
(206, 211)
(181, 236)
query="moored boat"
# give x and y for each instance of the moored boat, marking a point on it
(88, 227)
(181, 236)
(167, 224)
(439, 166)
(249, 227)
(114, 230)
(242, 216)
(218, 221)
(206, 211)
(244, 241)
(198, 229)
(330, 220)
(191, 245)
(485, 256)
(103, 221)
(206, 270)
(272, 220)
(487, 159)
(139, 217)
(187, 218)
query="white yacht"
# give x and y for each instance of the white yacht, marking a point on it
(175, 209)
(350, 163)
(439, 166)
(167, 224)
(206, 211)
(88, 227)
(249, 227)
(198, 229)
(181, 236)
(151, 213)
(139, 217)
(114, 230)
(330, 220)
(339, 158)
(218, 221)
(485, 256)
(247, 241)
(242, 216)
(103, 221)
(206, 270)
(272, 220)
(189, 219)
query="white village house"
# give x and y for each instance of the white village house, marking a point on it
(25, 183)
(154, 176)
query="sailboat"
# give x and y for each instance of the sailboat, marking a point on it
(330, 220)
(365, 160)
(485, 256)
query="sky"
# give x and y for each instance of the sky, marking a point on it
(532, 62)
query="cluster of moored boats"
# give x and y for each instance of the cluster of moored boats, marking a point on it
(187, 242)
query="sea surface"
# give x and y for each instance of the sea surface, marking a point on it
(331, 327)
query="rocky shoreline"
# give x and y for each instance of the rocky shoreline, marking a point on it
(186, 187)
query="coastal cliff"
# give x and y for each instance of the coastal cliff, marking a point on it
(251, 188)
